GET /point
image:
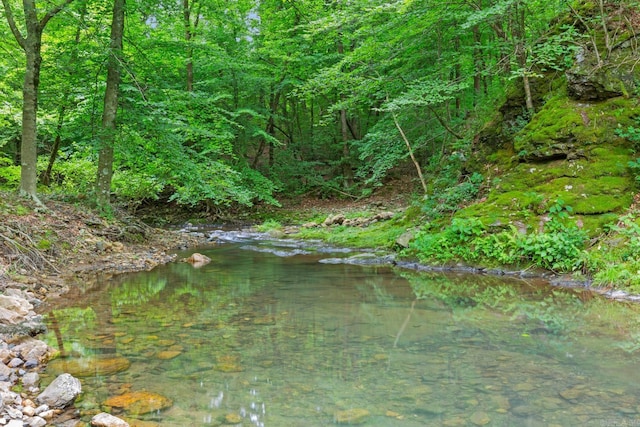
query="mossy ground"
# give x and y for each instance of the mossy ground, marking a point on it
(569, 151)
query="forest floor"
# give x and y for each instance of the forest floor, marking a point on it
(47, 251)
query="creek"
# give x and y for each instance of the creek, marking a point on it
(282, 333)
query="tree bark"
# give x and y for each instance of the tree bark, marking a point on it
(347, 173)
(107, 135)
(29, 146)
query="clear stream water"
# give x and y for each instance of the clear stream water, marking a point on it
(268, 335)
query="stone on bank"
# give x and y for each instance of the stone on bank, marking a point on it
(61, 393)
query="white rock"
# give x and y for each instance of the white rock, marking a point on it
(107, 420)
(36, 422)
(42, 408)
(47, 415)
(29, 411)
(61, 392)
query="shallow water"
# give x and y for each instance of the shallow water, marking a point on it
(267, 335)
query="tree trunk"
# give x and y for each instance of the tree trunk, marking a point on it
(29, 146)
(423, 183)
(107, 135)
(31, 44)
(187, 38)
(347, 173)
(46, 177)
(521, 54)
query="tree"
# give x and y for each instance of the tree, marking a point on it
(107, 136)
(31, 43)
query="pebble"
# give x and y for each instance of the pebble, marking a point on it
(15, 362)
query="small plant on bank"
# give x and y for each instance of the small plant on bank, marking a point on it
(269, 225)
(616, 260)
(452, 198)
(559, 247)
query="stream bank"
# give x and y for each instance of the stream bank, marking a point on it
(42, 255)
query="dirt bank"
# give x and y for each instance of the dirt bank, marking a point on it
(45, 251)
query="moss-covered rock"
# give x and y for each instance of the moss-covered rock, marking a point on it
(567, 129)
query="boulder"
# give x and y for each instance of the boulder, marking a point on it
(197, 260)
(107, 420)
(405, 238)
(61, 393)
(588, 81)
(334, 220)
(32, 349)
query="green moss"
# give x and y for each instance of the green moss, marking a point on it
(44, 245)
(381, 235)
(566, 126)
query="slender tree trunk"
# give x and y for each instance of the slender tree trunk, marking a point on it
(31, 43)
(46, 177)
(105, 159)
(271, 124)
(347, 173)
(187, 37)
(521, 54)
(423, 183)
(29, 146)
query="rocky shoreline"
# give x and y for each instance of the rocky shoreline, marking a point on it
(93, 249)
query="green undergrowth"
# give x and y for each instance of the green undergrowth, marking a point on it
(558, 246)
(615, 259)
(381, 235)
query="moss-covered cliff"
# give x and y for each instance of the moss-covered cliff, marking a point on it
(569, 150)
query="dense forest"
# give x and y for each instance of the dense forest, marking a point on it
(224, 104)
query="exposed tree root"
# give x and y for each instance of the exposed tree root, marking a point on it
(22, 250)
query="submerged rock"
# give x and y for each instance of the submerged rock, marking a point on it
(361, 259)
(480, 418)
(87, 367)
(168, 354)
(107, 420)
(352, 416)
(139, 402)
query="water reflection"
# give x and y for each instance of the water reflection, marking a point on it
(258, 339)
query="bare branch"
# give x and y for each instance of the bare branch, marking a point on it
(53, 12)
(12, 24)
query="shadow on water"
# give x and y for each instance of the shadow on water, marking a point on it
(268, 335)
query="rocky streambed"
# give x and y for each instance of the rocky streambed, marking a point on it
(22, 401)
